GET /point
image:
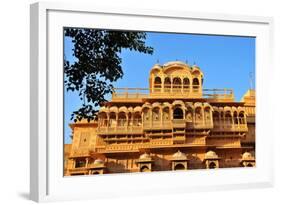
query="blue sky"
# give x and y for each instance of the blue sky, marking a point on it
(226, 62)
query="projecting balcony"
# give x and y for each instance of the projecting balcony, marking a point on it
(161, 142)
(120, 130)
(157, 125)
(200, 125)
(179, 123)
(179, 139)
(230, 128)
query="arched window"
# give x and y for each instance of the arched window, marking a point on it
(156, 114)
(216, 118)
(130, 119)
(177, 84)
(167, 85)
(195, 84)
(189, 115)
(122, 120)
(137, 119)
(228, 118)
(80, 163)
(157, 84)
(198, 115)
(103, 119)
(179, 167)
(112, 119)
(207, 114)
(186, 84)
(166, 114)
(235, 118)
(242, 118)
(212, 165)
(146, 114)
(178, 113)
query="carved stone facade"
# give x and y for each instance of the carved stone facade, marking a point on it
(175, 124)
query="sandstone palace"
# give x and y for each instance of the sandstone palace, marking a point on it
(174, 124)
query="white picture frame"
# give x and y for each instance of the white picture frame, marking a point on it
(46, 139)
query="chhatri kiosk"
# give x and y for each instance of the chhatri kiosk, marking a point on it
(174, 124)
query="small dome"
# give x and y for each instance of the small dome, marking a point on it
(157, 65)
(98, 161)
(211, 155)
(247, 155)
(179, 155)
(175, 63)
(145, 156)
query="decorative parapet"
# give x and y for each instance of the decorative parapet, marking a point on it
(137, 94)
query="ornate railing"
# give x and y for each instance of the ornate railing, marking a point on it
(120, 130)
(191, 91)
(230, 127)
(157, 124)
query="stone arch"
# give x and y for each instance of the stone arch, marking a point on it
(179, 167)
(195, 84)
(112, 119)
(216, 117)
(228, 117)
(198, 114)
(167, 84)
(207, 114)
(212, 165)
(166, 113)
(123, 109)
(137, 119)
(186, 84)
(103, 119)
(178, 113)
(144, 169)
(146, 113)
(242, 117)
(235, 118)
(157, 84)
(177, 84)
(122, 119)
(189, 114)
(156, 114)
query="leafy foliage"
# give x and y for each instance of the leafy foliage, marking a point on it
(98, 64)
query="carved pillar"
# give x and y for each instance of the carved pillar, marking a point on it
(181, 84)
(107, 123)
(203, 115)
(127, 121)
(211, 118)
(116, 119)
(162, 84)
(150, 117)
(161, 115)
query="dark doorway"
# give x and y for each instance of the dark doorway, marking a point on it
(178, 113)
(179, 167)
(212, 165)
(144, 169)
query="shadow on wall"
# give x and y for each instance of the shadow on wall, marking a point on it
(195, 162)
(115, 167)
(161, 164)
